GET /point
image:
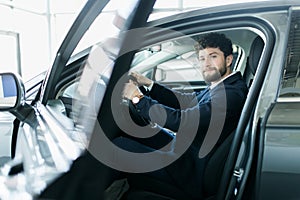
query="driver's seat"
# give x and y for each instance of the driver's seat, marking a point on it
(145, 187)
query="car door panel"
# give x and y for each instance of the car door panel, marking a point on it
(281, 154)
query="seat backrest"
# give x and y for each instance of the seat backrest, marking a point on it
(214, 168)
(253, 59)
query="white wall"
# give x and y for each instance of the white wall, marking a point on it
(39, 39)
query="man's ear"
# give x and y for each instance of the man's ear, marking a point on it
(229, 59)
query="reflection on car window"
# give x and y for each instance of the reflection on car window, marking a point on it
(83, 95)
(91, 88)
(113, 18)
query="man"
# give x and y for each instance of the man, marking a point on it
(214, 111)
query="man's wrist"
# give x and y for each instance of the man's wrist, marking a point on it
(136, 99)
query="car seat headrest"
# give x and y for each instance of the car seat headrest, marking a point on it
(255, 53)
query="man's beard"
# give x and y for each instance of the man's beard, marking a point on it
(214, 76)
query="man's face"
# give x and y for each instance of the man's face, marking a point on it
(213, 64)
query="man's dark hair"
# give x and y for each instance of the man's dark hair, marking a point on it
(215, 40)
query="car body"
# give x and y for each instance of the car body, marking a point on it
(81, 94)
(7, 119)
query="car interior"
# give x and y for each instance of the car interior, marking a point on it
(148, 187)
(152, 61)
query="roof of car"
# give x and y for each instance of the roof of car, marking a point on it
(208, 6)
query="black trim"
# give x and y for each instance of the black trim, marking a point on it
(14, 137)
(261, 146)
(71, 72)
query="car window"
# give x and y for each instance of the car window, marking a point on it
(290, 85)
(98, 50)
(112, 18)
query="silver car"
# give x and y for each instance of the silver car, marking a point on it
(79, 109)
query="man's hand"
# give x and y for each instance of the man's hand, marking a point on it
(140, 79)
(131, 90)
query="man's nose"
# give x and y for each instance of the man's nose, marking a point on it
(207, 62)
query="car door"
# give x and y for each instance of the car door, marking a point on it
(267, 157)
(278, 165)
(45, 148)
(101, 94)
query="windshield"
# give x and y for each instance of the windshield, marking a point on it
(107, 25)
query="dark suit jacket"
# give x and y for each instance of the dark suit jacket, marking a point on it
(209, 116)
(176, 111)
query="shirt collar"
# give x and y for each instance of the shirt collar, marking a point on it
(212, 86)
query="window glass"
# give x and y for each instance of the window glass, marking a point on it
(83, 96)
(290, 85)
(113, 19)
(95, 34)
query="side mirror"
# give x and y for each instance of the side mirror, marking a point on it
(12, 96)
(12, 92)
